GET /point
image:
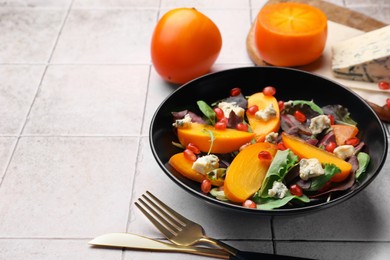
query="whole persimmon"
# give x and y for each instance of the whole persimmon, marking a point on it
(185, 45)
(290, 34)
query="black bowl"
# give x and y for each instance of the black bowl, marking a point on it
(291, 84)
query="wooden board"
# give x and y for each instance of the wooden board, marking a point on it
(343, 23)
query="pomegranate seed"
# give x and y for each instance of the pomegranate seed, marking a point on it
(235, 92)
(384, 85)
(300, 116)
(352, 141)
(331, 118)
(192, 147)
(269, 91)
(219, 113)
(205, 186)
(264, 155)
(281, 104)
(224, 120)
(242, 127)
(281, 146)
(330, 147)
(388, 103)
(220, 125)
(296, 190)
(189, 155)
(253, 109)
(249, 204)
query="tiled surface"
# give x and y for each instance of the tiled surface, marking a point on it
(77, 94)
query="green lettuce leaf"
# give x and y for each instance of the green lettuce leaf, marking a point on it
(280, 165)
(364, 160)
(319, 182)
(272, 203)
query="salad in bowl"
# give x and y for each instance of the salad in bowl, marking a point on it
(264, 147)
(265, 153)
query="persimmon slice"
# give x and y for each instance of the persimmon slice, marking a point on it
(225, 141)
(306, 150)
(246, 173)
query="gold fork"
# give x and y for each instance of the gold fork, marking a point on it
(175, 227)
(184, 232)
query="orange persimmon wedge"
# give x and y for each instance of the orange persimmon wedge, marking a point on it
(305, 150)
(344, 132)
(290, 34)
(225, 141)
(246, 173)
(184, 166)
(260, 127)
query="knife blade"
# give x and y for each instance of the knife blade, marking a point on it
(132, 241)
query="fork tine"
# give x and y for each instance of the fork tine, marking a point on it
(172, 212)
(163, 215)
(166, 229)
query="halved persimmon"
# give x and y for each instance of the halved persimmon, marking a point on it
(290, 34)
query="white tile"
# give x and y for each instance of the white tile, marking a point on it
(158, 90)
(18, 87)
(205, 3)
(335, 250)
(115, 3)
(217, 222)
(67, 187)
(234, 26)
(363, 217)
(7, 145)
(366, 2)
(106, 36)
(257, 4)
(35, 3)
(48, 249)
(28, 35)
(90, 100)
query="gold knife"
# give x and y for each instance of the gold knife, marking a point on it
(132, 241)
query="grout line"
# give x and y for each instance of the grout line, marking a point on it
(273, 235)
(34, 98)
(138, 149)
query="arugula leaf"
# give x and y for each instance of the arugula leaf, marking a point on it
(212, 138)
(310, 103)
(364, 160)
(280, 165)
(319, 182)
(272, 203)
(207, 111)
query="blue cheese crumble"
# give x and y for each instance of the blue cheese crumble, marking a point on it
(266, 114)
(183, 123)
(206, 164)
(228, 107)
(278, 190)
(309, 168)
(344, 151)
(319, 123)
(271, 138)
